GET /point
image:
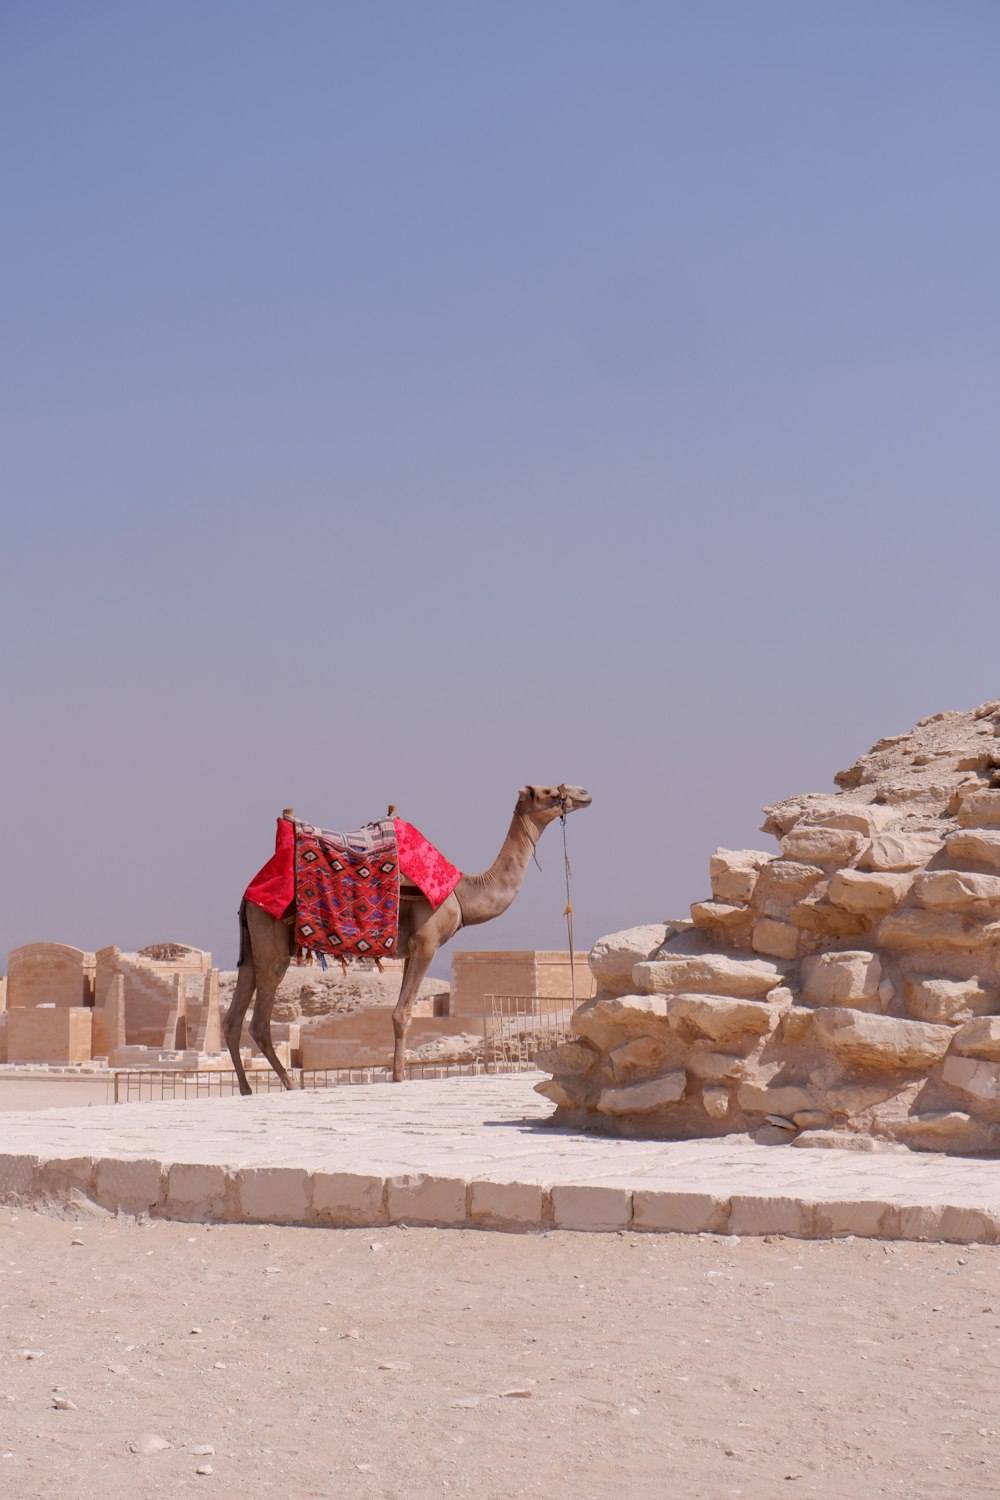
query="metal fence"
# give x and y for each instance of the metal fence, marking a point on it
(517, 1027)
(144, 1085)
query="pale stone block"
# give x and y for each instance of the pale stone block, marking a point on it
(65, 1176)
(810, 1119)
(19, 1177)
(678, 1212)
(273, 1195)
(195, 1191)
(841, 978)
(750, 1214)
(348, 1198)
(709, 914)
(899, 851)
(722, 1018)
(418, 1199)
(715, 1065)
(130, 1187)
(716, 1100)
(945, 1000)
(822, 845)
(980, 1080)
(875, 892)
(778, 1099)
(867, 1218)
(733, 873)
(711, 973)
(507, 1205)
(602, 1019)
(638, 1058)
(979, 1038)
(591, 1207)
(796, 1022)
(937, 1125)
(776, 939)
(980, 809)
(853, 1099)
(559, 1094)
(917, 928)
(881, 1041)
(782, 883)
(979, 846)
(858, 817)
(955, 890)
(817, 915)
(920, 1221)
(613, 958)
(642, 1098)
(575, 1058)
(968, 1226)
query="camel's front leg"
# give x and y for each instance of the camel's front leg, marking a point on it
(418, 961)
(246, 981)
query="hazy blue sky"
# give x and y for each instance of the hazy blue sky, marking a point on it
(410, 400)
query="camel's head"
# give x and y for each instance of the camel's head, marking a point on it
(543, 803)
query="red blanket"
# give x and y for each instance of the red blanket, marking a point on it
(273, 887)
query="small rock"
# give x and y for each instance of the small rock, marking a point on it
(352, 1333)
(201, 1450)
(466, 1401)
(118, 1369)
(272, 1270)
(395, 1367)
(518, 1390)
(204, 1469)
(31, 1353)
(76, 1242)
(148, 1443)
(376, 1245)
(62, 1403)
(195, 1330)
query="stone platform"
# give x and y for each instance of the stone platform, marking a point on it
(473, 1152)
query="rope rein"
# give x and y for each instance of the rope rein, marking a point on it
(569, 914)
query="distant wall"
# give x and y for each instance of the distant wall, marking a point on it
(50, 974)
(364, 1039)
(515, 972)
(49, 1033)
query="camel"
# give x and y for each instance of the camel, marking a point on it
(266, 941)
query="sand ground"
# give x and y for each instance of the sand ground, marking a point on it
(412, 1363)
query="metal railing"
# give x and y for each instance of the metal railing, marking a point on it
(146, 1085)
(517, 1027)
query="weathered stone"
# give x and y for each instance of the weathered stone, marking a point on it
(613, 958)
(858, 817)
(711, 914)
(881, 1041)
(773, 1099)
(562, 1094)
(796, 1023)
(980, 809)
(937, 1124)
(638, 1057)
(570, 1057)
(979, 846)
(855, 1098)
(720, 1017)
(978, 1079)
(841, 978)
(419, 1198)
(591, 1207)
(774, 938)
(944, 1000)
(506, 1205)
(979, 1038)
(810, 1119)
(716, 1065)
(868, 892)
(917, 928)
(734, 873)
(781, 884)
(641, 1098)
(815, 914)
(713, 973)
(605, 1018)
(716, 1100)
(820, 846)
(956, 890)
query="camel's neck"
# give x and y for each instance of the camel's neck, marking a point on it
(486, 896)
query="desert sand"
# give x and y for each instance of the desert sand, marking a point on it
(412, 1363)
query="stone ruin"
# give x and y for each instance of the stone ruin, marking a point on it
(841, 991)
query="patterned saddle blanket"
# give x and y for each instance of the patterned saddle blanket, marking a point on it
(344, 887)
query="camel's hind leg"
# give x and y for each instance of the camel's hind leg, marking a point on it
(266, 952)
(260, 1024)
(246, 983)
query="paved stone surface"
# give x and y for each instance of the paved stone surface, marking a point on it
(473, 1151)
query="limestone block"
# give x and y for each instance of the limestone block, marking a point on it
(815, 914)
(712, 973)
(680, 1212)
(818, 846)
(979, 846)
(979, 1038)
(868, 892)
(869, 1218)
(979, 809)
(841, 978)
(128, 1187)
(810, 1119)
(899, 851)
(956, 890)
(979, 1079)
(507, 1205)
(195, 1192)
(938, 1124)
(641, 1098)
(418, 1199)
(918, 928)
(853, 1099)
(781, 884)
(563, 1095)
(773, 1099)
(867, 818)
(603, 1019)
(716, 1101)
(947, 1000)
(574, 1058)
(711, 914)
(274, 1195)
(870, 1041)
(639, 1057)
(594, 1208)
(722, 1018)
(348, 1198)
(761, 1214)
(715, 1065)
(796, 1022)
(612, 958)
(734, 873)
(777, 939)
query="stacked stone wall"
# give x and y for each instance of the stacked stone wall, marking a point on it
(848, 984)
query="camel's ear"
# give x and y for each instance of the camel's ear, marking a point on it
(527, 794)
